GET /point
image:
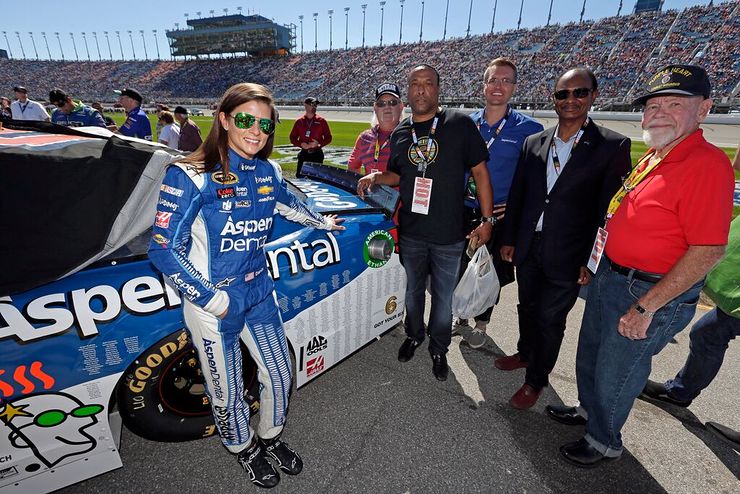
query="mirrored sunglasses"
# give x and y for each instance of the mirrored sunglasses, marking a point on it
(246, 121)
(580, 92)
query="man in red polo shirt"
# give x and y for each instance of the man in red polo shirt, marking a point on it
(310, 133)
(666, 228)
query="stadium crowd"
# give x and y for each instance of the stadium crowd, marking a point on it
(620, 50)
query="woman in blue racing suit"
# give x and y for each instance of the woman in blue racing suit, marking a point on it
(214, 215)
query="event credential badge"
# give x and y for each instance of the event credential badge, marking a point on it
(597, 252)
(422, 195)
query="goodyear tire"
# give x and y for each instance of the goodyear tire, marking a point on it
(161, 396)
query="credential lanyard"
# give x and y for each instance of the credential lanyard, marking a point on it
(378, 147)
(424, 162)
(555, 159)
(637, 175)
(498, 129)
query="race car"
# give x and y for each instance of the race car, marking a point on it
(92, 335)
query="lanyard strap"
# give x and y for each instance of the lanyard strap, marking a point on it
(308, 127)
(423, 155)
(22, 106)
(498, 129)
(555, 159)
(378, 147)
(639, 172)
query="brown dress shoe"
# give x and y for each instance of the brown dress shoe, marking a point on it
(525, 398)
(510, 363)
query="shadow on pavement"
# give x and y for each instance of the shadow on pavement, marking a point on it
(538, 437)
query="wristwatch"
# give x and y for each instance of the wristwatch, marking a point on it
(643, 311)
(488, 219)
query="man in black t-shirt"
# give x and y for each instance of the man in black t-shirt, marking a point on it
(430, 153)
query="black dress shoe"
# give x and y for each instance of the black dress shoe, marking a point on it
(725, 433)
(657, 391)
(565, 414)
(439, 367)
(406, 352)
(582, 454)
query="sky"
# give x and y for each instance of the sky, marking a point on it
(88, 16)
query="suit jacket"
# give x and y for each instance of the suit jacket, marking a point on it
(577, 203)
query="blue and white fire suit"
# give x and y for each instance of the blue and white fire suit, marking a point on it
(209, 237)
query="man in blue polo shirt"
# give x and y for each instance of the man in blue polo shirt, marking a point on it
(504, 131)
(72, 113)
(137, 123)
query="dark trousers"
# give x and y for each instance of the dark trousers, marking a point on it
(504, 269)
(312, 157)
(543, 307)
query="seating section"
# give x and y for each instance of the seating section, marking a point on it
(622, 51)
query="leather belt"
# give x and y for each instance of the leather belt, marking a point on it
(635, 273)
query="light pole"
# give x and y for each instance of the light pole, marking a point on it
(315, 31)
(619, 10)
(84, 38)
(60, 45)
(33, 42)
(470, 13)
(421, 24)
(519, 23)
(120, 44)
(156, 43)
(583, 10)
(549, 14)
(131, 39)
(493, 21)
(212, 12)
(143, 40)
(10, 53)
(331, 12)
(364, 7)
(447, 10)
(400, 30)
(107, 40)
(46, 42)
(97, 45)
(74, 45)
(300, 17)
(23, 52)
(346, 28)
(382, 16)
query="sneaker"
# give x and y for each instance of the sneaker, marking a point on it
(261, 472)
(458, 326)
(476, 338)
(286, 459)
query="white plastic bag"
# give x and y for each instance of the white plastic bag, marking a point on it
(478, 287)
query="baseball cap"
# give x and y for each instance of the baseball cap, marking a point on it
(131, 93)
(387, 88)
(181, 110)
(311, 101)
(681, 80)
(20, 89)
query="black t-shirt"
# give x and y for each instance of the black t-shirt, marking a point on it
(455, 148)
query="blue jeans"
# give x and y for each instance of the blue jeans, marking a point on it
(708, 343)
(442, 262)
(612, 370)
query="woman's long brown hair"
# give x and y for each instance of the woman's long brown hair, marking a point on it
(215, 149)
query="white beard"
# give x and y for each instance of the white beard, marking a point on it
(658, 139)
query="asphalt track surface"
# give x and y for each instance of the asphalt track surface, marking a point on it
(373, 424)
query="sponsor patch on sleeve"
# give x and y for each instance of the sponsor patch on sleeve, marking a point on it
(167, 189)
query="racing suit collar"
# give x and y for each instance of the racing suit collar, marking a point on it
(236, 159)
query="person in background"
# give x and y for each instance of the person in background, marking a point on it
(110, 124)
(310, 133)
(190, 138)
(72, 113)
(170, 133)
(5, 113)
(137, 123)
(372, 147)
(27, 109)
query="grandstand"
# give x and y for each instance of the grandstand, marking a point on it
(620, 50)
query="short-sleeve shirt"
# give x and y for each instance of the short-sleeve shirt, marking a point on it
(30, 110)
(363, 154)
(455, 148)
(686, 200)
(137, 124)
(171, 134)
(503, 154)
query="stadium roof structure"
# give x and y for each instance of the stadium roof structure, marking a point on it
(253, 35)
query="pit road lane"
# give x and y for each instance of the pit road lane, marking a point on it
(373, 424)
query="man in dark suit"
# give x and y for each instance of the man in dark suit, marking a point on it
(562, 186)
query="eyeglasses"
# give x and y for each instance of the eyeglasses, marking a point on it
(580, 92)
(246, 121)
(505, 81)
(384, 103)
